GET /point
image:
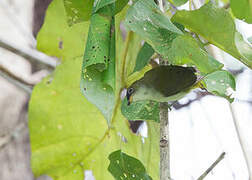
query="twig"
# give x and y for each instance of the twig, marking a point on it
(164, 143)
(164, 131)
(190, 5)
(237, 129)
(20, 83)
(29, 54)
(212, 166)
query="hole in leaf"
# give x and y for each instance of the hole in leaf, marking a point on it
(89, 175)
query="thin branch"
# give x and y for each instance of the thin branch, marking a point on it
(212, 166)
(190, 5)
(165, 173)
(237, 129)
(29, 54)
(17, 81)
(164, 143)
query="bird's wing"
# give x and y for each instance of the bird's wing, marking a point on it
(170, 80)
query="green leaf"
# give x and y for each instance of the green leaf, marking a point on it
(68, 134)
(185, 50)
(217, 26)
(220, 83)
(242, 9)
(143, 57)
(145, 19)
(123, 166)
(141, 110)
(178, 2)
(98, 4)
(98, 70)
(78, 11)
(105, 5)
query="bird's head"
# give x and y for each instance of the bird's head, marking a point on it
(133, 92)
(129, 95)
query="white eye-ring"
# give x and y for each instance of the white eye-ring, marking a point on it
(123, 93)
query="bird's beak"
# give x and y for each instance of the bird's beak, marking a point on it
(129, 98)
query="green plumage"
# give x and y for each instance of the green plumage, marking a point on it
(163, 83)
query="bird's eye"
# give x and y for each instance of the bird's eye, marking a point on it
(130, 90)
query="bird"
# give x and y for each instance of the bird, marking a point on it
(163, 83)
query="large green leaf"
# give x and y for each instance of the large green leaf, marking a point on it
(123, 166)
(145, 19)
(220, 83)
(217, 26)
(98, 70)
(185, 50)
(68, 134)
(242, 9)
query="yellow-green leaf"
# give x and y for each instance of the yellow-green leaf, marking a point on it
(217, 26)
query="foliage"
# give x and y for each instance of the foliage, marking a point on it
(242, 9)
(123, 166)
(217, 26)
(71, 133)
(68, 134)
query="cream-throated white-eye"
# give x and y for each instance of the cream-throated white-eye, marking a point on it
(163, 84)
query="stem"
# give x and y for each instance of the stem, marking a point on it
(164, 131)
(164, 143)
(190, 5)
(237, 129)
(212, 166)
(29, 54)
(124, 59)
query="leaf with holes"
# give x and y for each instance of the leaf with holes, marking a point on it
(123, 166)
(145, 19)
(185, 50)
(141, 110)
(78, 11)
(98, 70)
(220, 83)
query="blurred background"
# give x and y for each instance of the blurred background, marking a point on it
(202, 126)
(20, 22)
